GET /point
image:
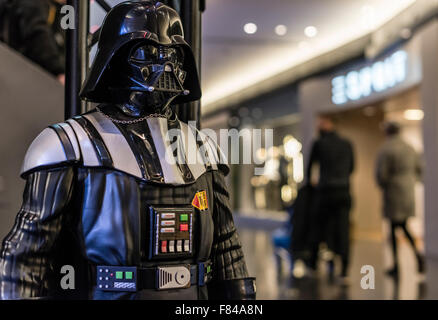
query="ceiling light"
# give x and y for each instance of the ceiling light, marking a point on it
(311, 31)
(250, 28)
(414, 114)
(250, 72)
(281, 30)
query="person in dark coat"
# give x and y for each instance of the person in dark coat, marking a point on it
(300, 221)
(398, 168)
(331, 215)
(32, 27)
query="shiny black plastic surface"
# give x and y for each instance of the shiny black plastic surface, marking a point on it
(139, 24)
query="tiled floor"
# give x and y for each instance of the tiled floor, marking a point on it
(263, 262)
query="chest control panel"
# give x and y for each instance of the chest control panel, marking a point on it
(171, 232)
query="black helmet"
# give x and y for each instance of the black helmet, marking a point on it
(128, 25)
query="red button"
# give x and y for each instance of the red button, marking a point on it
(184, 227)
(164, 246)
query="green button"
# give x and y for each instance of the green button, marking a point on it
(119, 275)
(128, 275)
(208, 269)
(184, 217)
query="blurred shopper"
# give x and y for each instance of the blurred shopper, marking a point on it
(300, 222)
(331, 219)
(398, 168)
(32, 27)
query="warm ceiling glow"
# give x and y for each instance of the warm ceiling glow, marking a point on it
(414, 114)
(250, 28)
(252, 71)
(303, 45)
(281, 30)
(311, 31)
(368, 20)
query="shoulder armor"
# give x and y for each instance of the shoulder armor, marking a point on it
(53, 146)
(103, 144)
(98, 142)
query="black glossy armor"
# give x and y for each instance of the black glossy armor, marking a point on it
(116, 189)
(126, 27)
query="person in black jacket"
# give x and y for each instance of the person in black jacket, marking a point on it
(32, 27)
(335, 157)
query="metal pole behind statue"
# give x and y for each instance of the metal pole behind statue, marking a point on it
(72, 68)
(76, 58)
(84, 54)
(191, 14)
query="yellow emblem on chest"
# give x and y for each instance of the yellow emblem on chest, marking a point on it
(200, 200)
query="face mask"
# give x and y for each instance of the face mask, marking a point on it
(158, 69)
(154, 73)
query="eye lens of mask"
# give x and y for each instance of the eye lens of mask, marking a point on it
(144, 53)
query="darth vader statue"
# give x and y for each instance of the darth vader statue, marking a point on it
(126, 196)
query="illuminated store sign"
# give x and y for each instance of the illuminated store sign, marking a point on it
(376, 78)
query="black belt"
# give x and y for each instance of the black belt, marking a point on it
(166, 277)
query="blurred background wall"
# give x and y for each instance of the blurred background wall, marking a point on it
(30, 100)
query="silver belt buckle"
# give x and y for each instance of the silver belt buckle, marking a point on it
(175, 277)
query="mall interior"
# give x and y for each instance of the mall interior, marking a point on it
(278, 65)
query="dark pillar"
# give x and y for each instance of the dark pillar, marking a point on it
(72, 68)
(84, 32)
(191, 12)
(76, 58)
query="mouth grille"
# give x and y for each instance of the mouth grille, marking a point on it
(167, 82)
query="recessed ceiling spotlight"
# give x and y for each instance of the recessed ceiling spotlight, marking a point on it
(311, 31)
(250, 28)
(281, 30)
